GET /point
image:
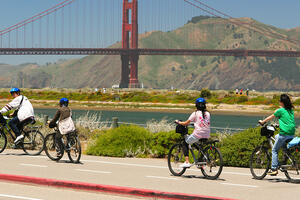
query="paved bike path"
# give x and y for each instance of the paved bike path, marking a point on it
(149, 174)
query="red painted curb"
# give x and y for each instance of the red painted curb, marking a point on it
(105, 188)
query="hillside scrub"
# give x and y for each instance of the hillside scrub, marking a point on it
(154, 96)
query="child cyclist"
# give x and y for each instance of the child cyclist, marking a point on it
(201, 119)
(63, 113)
(287, 126)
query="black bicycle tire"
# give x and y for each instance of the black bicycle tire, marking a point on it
(221, 164)
(46, 150)
(286, 173)
(169, 161)
(5, 142)
(42, 149)
(251, 163)
(69, 153)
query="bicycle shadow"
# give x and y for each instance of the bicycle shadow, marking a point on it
(69, 162)
(200, 177)
(14, 154)
(281, 180)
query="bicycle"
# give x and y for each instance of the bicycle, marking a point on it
(32, 143)
(261, 157)
(71, 146)
(208, 158)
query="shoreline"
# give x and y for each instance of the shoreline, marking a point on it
(221, 109)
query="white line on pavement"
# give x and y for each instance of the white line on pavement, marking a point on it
(17, 197)
(151, 166)
(93, 171)
(30, 165)
(125, 164)
(240, 185)
(161, 177)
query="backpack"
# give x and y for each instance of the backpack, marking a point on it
(66, 126)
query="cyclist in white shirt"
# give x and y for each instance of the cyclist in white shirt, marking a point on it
(201, 119)
(25, 113)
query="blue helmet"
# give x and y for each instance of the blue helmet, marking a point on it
(200, 100)
(64, 101)
(17, 90)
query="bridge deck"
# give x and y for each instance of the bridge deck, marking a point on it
(167, 52)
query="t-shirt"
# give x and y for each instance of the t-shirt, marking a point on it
(202, 125)
(286, 121)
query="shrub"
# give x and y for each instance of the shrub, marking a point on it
(125, 141)
(161, 143)
(297, 102)
(206, 93)
(242, 99)
(236, 149)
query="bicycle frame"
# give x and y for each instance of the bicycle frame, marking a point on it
(270, 141)
(199, 147)
(8, 129)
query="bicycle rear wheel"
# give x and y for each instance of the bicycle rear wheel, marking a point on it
(51, 148)
(33, 143)
(291, 167)
(3, 141)
(175, 159)
(74, 148)
(260, 162)
(214, 163)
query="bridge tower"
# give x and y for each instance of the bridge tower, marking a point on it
(129, 72)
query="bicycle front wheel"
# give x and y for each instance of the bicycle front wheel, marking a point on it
(291, 167)
(3, 141)
(51, 148)
(260, 162)
(175, 159)
(74, 148)
(214, 163)
(33, 143)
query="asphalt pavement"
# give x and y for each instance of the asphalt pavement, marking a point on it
(236, 183)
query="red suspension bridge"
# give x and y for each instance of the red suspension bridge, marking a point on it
(60, 30)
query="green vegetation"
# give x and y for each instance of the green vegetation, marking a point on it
(129, 141)
(236, 149)
(123, 141)
(186, 98)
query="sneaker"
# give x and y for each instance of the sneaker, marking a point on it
(20, 137)
(273, 172)
(186, 165)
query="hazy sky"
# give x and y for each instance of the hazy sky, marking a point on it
(106, 15)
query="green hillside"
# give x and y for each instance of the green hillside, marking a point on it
(190, 72)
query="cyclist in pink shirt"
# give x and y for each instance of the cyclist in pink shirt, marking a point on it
(201, 119)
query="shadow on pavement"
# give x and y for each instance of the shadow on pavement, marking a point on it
(14, 154)
(201, 177)
(68, 161)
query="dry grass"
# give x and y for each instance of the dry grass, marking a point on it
(91, 122)
(159, 126)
